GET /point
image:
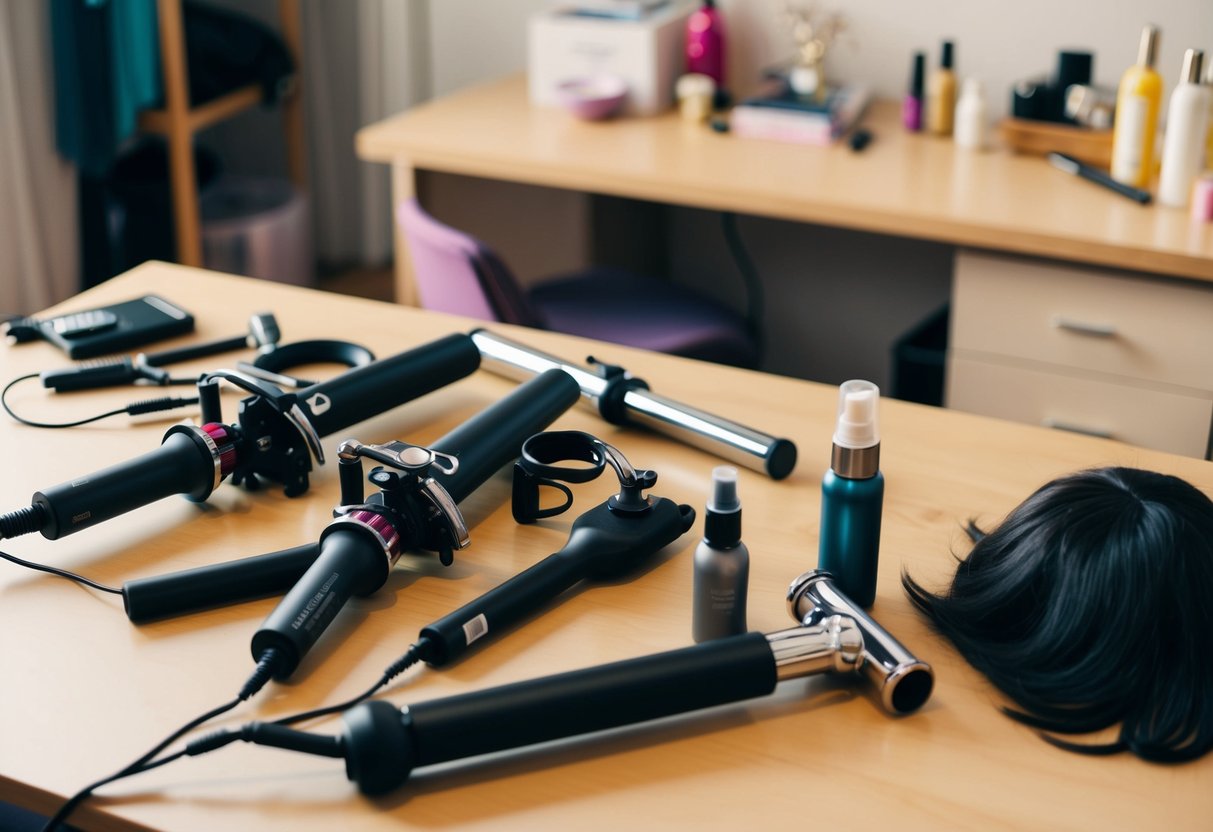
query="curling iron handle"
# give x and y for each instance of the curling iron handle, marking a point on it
(181, 465)
(499, 608)
(350, 563)
(374, 388)
(189, 590)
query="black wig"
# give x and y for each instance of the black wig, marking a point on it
(1091, 605)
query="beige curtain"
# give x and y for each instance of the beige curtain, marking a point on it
(39, 252)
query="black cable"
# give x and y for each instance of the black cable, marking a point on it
(393, 670)
(755, 297)
(256, 681)
(62, 573)
(133, 409)
(225, 736)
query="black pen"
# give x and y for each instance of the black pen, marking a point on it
(1071, 165)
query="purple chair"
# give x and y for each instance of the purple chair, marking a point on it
(457, 273)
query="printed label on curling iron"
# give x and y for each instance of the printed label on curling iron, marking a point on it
(478, 627)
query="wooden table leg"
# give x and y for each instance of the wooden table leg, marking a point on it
(404, 186)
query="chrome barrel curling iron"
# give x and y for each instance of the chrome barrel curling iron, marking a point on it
(382, 744)
(623, 399)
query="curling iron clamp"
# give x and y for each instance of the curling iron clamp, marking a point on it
(382, 744)
(622, 399)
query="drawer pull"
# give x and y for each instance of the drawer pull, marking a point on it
(1083, 328)
(1073, 428)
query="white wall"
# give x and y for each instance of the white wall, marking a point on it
(997, 41)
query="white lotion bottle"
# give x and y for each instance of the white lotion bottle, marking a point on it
(1184, 144)
(971, 128)
(722, 564)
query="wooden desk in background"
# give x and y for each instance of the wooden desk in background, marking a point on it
(907, 185)
(85, 692)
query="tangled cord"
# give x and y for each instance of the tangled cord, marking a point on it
(133, 409)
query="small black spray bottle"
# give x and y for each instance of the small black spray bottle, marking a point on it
(722, 564)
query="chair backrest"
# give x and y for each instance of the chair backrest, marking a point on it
(457, 273)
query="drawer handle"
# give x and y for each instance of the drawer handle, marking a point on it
(1083, 328)
(1073, 428)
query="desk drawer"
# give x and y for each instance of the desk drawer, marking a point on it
(1127, 326)
(1166, 421)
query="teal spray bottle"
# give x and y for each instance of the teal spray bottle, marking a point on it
(852, 493)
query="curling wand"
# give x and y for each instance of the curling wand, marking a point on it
(622, 399)
(382, 744)
(606, 543)
(411, 510)
(276, 437)
(415, 507)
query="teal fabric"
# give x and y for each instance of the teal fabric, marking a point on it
(107, 69)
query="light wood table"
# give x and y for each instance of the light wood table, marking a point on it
(84, 692)
(903, 184)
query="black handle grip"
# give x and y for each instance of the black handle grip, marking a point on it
(182, 465)
(190, 590)
(351, 562)
(109, 373)
(383, 743)
(494, 436)
(374, 388)
(499, 608)
(603, 544)
(164, 357)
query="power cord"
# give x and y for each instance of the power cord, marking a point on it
(62, 573)
(755, 296)
(132, 409)
(272, 733)
(265, 670)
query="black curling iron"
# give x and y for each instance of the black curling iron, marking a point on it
(276, 437)
(606, 543)
(622, 399)
(412, 510)
(382, 744)
(415, 507)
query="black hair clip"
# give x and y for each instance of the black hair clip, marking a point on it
(537, 467)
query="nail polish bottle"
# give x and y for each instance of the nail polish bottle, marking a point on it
(852, 495)
(941, 94)
(722, 564)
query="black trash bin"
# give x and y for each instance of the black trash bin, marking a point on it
(126, 217)
(919, 361)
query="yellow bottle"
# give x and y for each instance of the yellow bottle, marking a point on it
(1137, 104)
(941, 95)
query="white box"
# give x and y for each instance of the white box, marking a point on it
(648, 54)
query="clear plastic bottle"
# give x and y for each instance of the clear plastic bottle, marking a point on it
(971, 130)
(1187, 122)
(722, 564)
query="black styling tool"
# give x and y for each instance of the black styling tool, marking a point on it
(607, 542)
(412, 510)
(358, 550)
(276, 437)
(147, 368)
(622, 399)
(415, 507)
(382, 744)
